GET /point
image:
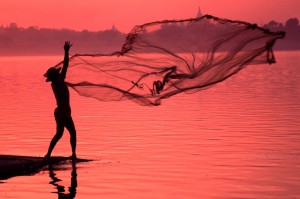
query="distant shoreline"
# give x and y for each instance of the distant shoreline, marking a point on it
(18, 41)
(60, 55)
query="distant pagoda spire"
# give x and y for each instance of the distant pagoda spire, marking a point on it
(113, 27)
(199, 14)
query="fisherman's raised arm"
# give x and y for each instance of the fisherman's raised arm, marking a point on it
(67, 47)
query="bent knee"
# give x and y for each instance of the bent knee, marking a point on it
(58, 136)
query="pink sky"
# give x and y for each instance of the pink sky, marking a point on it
(100, 15)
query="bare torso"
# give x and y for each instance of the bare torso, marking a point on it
(61, 92)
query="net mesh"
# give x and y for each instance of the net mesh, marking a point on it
(161, 59)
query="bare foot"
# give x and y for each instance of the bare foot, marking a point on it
(46, 158)
(74, 157)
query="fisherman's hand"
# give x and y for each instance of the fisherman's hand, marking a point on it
(67, 46)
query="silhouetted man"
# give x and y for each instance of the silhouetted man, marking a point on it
(62, 113)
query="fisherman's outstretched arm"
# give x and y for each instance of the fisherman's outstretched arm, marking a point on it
(67, 47)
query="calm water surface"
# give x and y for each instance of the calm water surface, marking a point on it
(239, 139)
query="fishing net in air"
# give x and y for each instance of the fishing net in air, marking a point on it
(162, 59)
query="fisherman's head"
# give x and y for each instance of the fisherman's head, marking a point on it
(52, 74)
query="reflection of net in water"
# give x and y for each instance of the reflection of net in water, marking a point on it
(161, 59)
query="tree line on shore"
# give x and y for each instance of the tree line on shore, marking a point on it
(33, 40)
(15, 40)
(292, 37)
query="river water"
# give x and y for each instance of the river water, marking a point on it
(238, 139)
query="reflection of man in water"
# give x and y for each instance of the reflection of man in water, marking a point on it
(63, 111)
(61, 189)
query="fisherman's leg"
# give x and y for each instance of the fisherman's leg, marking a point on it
(57, 136)
(71, 128)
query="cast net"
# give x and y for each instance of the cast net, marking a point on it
(162, 59)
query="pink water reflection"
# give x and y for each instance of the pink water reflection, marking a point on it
(236, 140)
